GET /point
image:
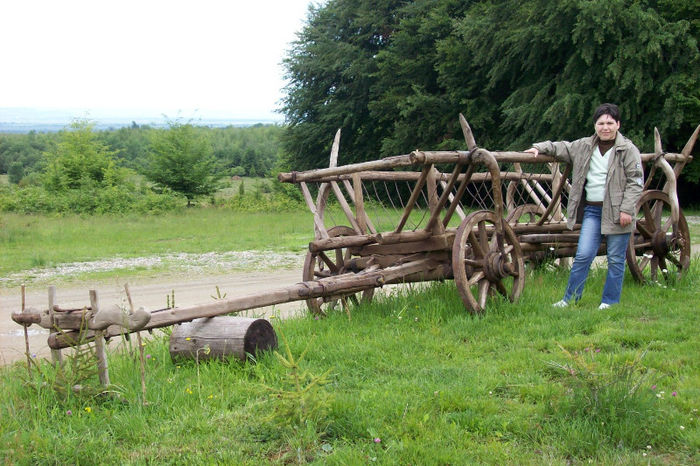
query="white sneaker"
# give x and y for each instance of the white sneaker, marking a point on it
(561, 303)
(603, 306)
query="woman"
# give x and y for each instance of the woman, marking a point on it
(607, 181)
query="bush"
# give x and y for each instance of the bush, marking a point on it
(112, 199)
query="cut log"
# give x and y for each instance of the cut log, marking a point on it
(221, 337)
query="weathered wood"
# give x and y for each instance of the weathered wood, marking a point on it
(414, 197)
(351, 193)
(341, 242)
(360, 214)
(346, 207)
(56, 356)
(318, 221)
(100, 350)
(391, 176)
(221, 337)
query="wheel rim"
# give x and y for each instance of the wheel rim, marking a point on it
(330, 263)
(486, 259)
(658, 247)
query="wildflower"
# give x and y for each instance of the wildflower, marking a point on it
(653, 387)
(88, 409)
(377, 440)
(416, 319)
(664, 270)
(674, 394)
(69, 413)
(551, 248)
(210, 396)
(143, 343)
(187, 339)
(644, 454)
(597, 350)
(648, 447)
(272, 317)
(682, 427)
(148, 356)
(188, 391)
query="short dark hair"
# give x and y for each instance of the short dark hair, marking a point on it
(607, 109)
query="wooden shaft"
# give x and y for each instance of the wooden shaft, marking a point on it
(340, 284)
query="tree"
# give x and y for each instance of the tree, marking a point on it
(395, 78)
(181, 159)
(80, 160)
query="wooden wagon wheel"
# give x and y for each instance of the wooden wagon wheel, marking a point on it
(659, 244)
(486, 258)
(330, 263)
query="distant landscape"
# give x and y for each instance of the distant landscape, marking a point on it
(24, 120)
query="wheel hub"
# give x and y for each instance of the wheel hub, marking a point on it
(497, 266)
(660, 244)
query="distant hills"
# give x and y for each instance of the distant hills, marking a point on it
(24, 120)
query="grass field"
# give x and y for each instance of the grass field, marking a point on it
(411, 378)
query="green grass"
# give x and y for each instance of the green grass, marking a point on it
(29, 241)
(414, 379)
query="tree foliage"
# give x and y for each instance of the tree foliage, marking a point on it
(181, 159)
(395, 74)
(79, 160)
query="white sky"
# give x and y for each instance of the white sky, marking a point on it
(220, 58)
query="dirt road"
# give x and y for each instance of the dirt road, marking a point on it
(150, 293)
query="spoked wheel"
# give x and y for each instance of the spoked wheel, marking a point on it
(659, 245)
(330, 263)
(486, 259)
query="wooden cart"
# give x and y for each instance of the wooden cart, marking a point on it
(475, 216)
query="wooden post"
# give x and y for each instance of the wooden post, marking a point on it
(56, 355)
(26, 337)
(100, 350)
(140, 343)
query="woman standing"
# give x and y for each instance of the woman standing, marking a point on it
(607, 181)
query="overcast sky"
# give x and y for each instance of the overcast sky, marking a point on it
(220, 58)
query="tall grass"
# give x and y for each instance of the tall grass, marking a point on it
(413, 379)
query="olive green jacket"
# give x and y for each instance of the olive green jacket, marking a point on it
(623, 185)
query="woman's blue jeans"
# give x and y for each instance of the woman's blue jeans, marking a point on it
(588, 245)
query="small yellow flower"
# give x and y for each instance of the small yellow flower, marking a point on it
(187, 339)
(188, 391)
(210, 396)
(88, 409)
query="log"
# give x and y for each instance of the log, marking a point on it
(221, 337)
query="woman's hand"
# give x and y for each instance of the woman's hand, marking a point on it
(533, 150)
(625, 219)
